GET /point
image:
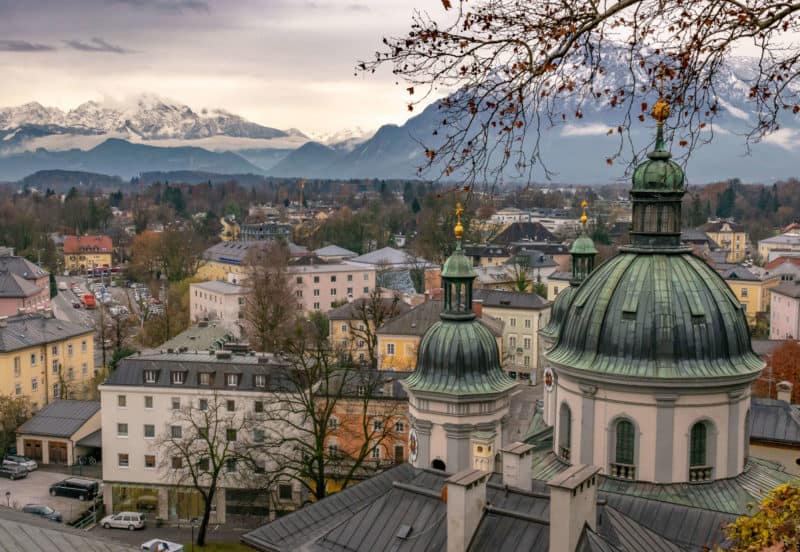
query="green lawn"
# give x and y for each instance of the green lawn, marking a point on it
(218, 547)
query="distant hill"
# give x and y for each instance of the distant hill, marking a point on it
(124, 159)
(61, 181)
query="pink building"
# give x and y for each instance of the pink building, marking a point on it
(785, 311)
(23, 286)
(318, 287)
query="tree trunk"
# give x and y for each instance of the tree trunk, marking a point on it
(201, 533)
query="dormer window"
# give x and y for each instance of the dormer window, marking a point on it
(178, 378)
(260, 380)
(150, 376)
(205, 378)
(232, 380)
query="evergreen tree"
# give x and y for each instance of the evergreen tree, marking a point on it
(53, 287)
(725, 202)
(415, 206)
(696, 217)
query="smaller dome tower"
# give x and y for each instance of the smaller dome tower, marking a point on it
(459, 394)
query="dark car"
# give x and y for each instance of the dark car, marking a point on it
(44, 511)
(75, 487)
(13, 472)
(76, 304)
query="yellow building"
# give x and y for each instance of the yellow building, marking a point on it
(83, 253)
(730, 236)
(750, 290)
(347, 331)
(556, 283)
(398, 339)
(44, 359)
(230, 229)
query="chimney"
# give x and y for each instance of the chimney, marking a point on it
(477, 307)
(3, 321)
(465, 495)
(573, 504)
(517, 466)
(785, 391)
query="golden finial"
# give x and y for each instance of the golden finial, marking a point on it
(660, 111)
(584, 218)
(459, 230)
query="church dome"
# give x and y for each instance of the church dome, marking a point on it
(559, 312)
(658, 317)
(659, 173)
(458, 355)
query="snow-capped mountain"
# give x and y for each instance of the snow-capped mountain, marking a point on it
(148, 119)
(343, 140)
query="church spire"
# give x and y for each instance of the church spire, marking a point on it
(583, 251)
(457, 278)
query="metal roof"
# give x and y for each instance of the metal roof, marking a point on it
(334, 251)
(216, 286)
(418, 320)
(349, 311)
(93, 440)
(20, 531)
(200, 337)
(788, 289)
(12, 285)
(131, 371)
(392, 258)
(21, 267)
(509, 299)
(60, 418)
(27, 330)
(774, 421)
(527, 231)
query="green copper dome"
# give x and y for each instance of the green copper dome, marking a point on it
(583, 246)
(459, 357)
(656, 316)
(659, 173)
(559, 312)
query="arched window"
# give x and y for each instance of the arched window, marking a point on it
(564, 431)
(699, 465)
(624, 464)
(438, 465)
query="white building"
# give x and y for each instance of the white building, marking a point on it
(145, 401)
(216, 301)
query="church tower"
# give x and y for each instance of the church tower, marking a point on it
(459, 394)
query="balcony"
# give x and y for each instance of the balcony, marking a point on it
(623, 471)
(698, 474)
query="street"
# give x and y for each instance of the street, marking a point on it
(180, 534)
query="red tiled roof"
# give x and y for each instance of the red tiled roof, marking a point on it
(87, 244)
(780, 260)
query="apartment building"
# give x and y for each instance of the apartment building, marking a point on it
(149, 399)
(730, 236)
(321, 287)
(347, 327)
(751, 290)
(23, 285)
(218, 301)
(44, 358)
(785, 311)
(523, 315)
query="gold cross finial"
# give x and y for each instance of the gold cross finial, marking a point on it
(584, 218)
(459, 229)
(660, 111)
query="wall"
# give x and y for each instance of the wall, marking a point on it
(404, 358)
(204, 303)
(784, 317)
(316, 289)
(785, 455)
(554, 287)
(83, 261)
(514, 326)
(608, 405)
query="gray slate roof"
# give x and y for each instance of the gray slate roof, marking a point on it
(419, 319)
(532, 258)
(224, 288)
(510, 299)
(12, 285)
(392, 258)
(334, 251)
(524, 231)
(26, 330)
(234, 252)
(21, 267)
(24, 532)
(200, 337)
(736, 272)
(774, 421)
(94, 440)
(788, 289)
(60, 418)
(130, 371)
(350, 311)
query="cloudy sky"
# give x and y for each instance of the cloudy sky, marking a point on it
(281, 63)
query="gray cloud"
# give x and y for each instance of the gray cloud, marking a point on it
(166, 5)
(23, 46)
(96, 45)
(351, 7)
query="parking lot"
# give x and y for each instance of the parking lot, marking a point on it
(35, 489)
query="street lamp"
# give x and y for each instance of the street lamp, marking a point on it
(193, 523)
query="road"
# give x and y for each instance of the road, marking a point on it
(182, 534)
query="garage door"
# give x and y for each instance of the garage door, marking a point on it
(58, 452)
(33, 449)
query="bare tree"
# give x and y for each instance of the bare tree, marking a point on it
(205, 446)
(369, 314)
(520, 66)
(270, 303)
(13, 413)
(337, 427)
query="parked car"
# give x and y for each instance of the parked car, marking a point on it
(75, 487)
(13, 472)
(19, 460)
(159, 545)
(123, 520)
(44, 511)
(76, 304)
